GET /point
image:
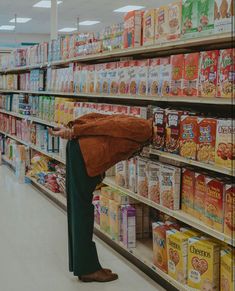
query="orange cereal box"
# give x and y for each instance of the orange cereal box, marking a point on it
(132, 36)
(191, 74)
(188, 188)
(174, 20)
(229, 211)
(227, 270)
(208, 73)
(226, 72)
(188, 136)
(206, 140)
(149, 27)
(162, 28)
(203, 264)
(177, 67)
(199, 196)
(214, 204)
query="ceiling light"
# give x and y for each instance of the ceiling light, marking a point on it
(20, 20)
(45, 4)
(68, 29)
(7, 27)
(89, 22)
(128, 8)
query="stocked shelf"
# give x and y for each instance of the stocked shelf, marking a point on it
(178, 214)
(8, 161)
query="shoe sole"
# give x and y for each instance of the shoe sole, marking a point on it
(87, 280)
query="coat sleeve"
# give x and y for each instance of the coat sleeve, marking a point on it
(119, 126)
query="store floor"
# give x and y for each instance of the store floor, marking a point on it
(33, 246)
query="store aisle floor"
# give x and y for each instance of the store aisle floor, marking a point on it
(33, 246)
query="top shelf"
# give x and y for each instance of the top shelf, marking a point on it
(180, 46)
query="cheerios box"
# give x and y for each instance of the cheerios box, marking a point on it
(188, 189)
(203, 264)
(229, 210)
(227, 270)
(200, 196)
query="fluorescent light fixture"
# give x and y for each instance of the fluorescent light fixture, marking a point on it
(128, 8)
(45, 4)
(67, 29)
(89, 22)
(7, 27)
(20, 20)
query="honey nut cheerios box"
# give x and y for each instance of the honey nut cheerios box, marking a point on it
(227, 270)
(199, 196)
(187, 190)
(229, 211)
(203, 264)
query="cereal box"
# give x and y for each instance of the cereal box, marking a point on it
(129, 226)
(203, 264)
(161, 28)
(226, 72)
(208, 73)
(177, 254)
(173, 118)
(214, 204)
(200, 196)
(132, 77)
(112, 78)
(224, 149)
(154, 171)
(132, 36)
(104, 79)
(160, 246)
(132, 168)
(177, 70)
(188, 136)
(142, 179)
(114, 219)
(229, 211)
(191, 74)
(154, 77)
(170, 187)
(98, 79)
(123, 77)
(149, 27)
(189, 18)
(91, 79)
(206, 140)
(205, 17)
(159, 124)
(121, 177)
(224, 15)
(104, 213)
(188, 188)
(142, 77)
(174, 20)
(165, 76)
(227, 270)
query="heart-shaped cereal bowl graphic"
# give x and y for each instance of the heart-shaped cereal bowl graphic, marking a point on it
(199, 265)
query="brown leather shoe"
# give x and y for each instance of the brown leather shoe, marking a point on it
(99, 276)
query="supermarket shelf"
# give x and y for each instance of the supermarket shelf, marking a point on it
(178, 214)
(180, 159)
(8, 161)
(173, 99)
(24, 68)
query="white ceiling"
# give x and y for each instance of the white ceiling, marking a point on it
(68, 12)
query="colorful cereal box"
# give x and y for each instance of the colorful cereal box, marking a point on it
(214, 204)
(206, 140)
(224, 16)
(188, 188)
(121, 177)
(174, 20)
(226, 72)
(132, 168)
(142, 77)
(142, 178)
(177, 70)
(154, 77)
(104, 213)
(165, 76)
(112, 76)
(161, 28)
(132, 77)
(98, 80)
(129, 226)
(123, 77)
(91, 79)
(205, 17)
(172, 132)
(114, 219)
(200, 196)
(227, 270)
(191, 74)
(154, 171)
(149, 27)
(203, 264)
(208, 73)
(159, 123)
(188, 136)
(229, 211)
(132, 36)
(189, 18)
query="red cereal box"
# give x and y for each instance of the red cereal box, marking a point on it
(123, 77)
(132, 36)
(214, 204)
(159, 124)
(191, 74)
(229, 211)
(208, 73)
(177, 67)
(199, 196)
(187, 190)
(173, 118)
(226, 73)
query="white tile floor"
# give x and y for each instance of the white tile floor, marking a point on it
(33, 246)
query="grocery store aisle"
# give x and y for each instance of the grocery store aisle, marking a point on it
(33, 246)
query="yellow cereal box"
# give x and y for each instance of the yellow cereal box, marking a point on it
(227, 270)
(203, 264)
(229, 211)
(114, 219)
(104, 214)
(149, 27)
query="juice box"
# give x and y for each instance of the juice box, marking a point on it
(200, 196)
(159, 124)
(174, 20)
(224, 16)
(206, 140)
(214, 204)
(172, 131)
(229, 211)
(154, 77)
(191, 74)
(188, 188)
(206, 17)
(142, 178)
(154, 171)
(226, 72)
(189, 18)
(161, 28)
(114, 219)
(203, 264)
(177, 70)
(132, 36)
(149, 19)
(227, 270)
(208, 75)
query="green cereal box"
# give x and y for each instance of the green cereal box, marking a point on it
(205, 17)
(189, 18)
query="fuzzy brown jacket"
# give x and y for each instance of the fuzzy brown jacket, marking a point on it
(108, 139)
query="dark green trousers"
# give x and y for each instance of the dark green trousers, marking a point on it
(83, 258)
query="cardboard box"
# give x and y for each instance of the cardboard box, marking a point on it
(188, 191)
(132, 36)
(229, 211)
(223, 16)
(149, 19)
